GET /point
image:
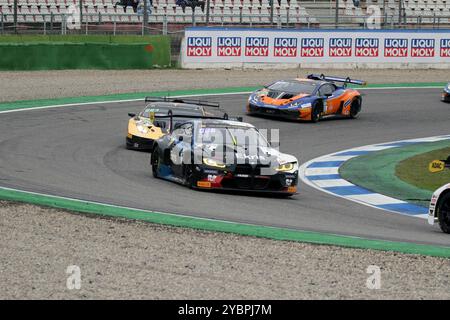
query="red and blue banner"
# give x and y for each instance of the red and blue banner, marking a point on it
(224, 46)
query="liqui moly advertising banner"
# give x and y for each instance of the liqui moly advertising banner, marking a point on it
(248, 45)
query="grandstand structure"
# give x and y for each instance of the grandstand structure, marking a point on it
(283, 13)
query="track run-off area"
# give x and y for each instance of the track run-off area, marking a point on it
(74, 157)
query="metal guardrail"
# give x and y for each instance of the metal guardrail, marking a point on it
(161, 23)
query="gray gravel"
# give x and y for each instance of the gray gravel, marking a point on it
(56, 84)
(128, 259)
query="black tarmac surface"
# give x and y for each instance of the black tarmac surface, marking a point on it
(79, 152)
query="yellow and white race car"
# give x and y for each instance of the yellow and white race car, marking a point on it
(144, 128)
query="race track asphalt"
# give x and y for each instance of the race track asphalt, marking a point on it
(79, 152)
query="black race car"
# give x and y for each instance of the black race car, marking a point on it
(217, 153)
(446, 93)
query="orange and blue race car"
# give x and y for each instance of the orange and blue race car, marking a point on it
(313, 98)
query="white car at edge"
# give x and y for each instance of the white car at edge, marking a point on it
(439, 210)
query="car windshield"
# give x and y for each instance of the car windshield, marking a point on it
(293, 86)
(232, 136)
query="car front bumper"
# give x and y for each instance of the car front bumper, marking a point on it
(279, 183)
(292, 114)
(139, 143)
(445, 96)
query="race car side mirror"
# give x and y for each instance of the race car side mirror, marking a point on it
(327, 95)
(132, 115)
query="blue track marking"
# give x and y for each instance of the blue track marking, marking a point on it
(397, 144)
(352, 153)
(324, 177)
(317, 174)
(348, 190)
(405, 207)
(326, 164)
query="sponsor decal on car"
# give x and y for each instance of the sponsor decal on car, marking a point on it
(340, 47)
(285, 47)
(199, 46)
(422, 48)
(366, 47)
(256, 46)
(204, 184)
(229, 46)
(433, 200)
(211, 177)
(292, 189)
(395, 47)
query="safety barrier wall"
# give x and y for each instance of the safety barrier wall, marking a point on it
(83, 52)
(275, 48)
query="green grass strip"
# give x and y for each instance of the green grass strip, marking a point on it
(414, 170)
(376, 172)
(221, 226)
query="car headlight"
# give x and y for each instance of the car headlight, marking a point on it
(285, 166)
(142, 129)
(253, 98)
(294, 105)
(213, 163)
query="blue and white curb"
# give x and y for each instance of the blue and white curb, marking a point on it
(323, 174)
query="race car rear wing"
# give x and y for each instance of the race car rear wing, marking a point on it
(439, 165)
(336, 79)
(182, 100)
(170, 115)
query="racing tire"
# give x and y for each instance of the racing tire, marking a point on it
(315, 112)
(355, 108)
(155, 162)
(443, 213)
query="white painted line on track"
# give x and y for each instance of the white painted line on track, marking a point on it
(332, 183)
(375, 199)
